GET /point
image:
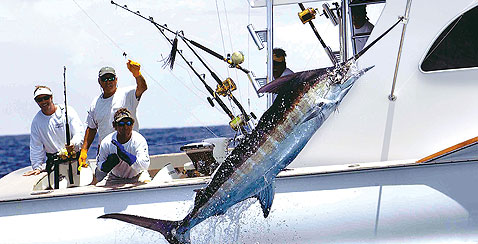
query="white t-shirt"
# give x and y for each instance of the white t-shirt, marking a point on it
(136, 145)
(101, 112)
(360, 42)
(48, 134)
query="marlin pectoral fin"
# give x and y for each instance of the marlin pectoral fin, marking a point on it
(265, 197)
(311, 116)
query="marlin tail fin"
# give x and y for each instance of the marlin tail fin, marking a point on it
(165, 227)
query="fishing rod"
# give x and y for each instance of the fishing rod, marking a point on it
(67, 129)
(223, 88)
(229, 59)
(66, 108)
(306, 16)
(236, 122)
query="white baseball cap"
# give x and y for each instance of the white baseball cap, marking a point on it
(42, 91)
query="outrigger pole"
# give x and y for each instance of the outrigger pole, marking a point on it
(236, 122)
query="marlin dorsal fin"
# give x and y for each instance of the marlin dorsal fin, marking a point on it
(265, 197)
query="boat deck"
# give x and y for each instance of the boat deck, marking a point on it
(15, 187)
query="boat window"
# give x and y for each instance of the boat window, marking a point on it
(363, 15)
(456, 47)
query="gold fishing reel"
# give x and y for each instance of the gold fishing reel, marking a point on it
(64, 155)
(226, 88)
(307, 15)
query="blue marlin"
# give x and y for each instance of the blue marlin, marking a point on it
(304, 101)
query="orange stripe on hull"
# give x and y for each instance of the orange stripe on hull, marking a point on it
(450, 149)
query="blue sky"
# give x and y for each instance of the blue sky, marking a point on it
(39, 37)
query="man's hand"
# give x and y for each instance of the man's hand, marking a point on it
(69, 148)
(33, 172)
(82, 159)
(123, 154)
(111, 161)
(134, 68)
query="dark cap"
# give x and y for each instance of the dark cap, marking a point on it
(106, 70)
(122, 113)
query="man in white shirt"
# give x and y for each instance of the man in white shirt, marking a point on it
(48, 131)
(361, 26)
(123, 155)
(103, 107)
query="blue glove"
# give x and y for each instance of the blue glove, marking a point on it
(123, 154)
(111, 161)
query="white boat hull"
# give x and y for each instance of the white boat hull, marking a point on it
(415, 203)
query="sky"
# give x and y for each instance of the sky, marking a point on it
(39, 37)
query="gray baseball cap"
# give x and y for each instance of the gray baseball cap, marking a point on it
(106, 70)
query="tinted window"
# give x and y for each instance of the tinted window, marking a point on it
(457, 45)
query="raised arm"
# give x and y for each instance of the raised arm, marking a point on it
(141, 85)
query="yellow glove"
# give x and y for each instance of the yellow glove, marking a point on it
(134, 68)
(82, 159)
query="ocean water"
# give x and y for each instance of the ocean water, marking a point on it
(15, 150)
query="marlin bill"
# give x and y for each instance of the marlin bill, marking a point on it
(304, 101)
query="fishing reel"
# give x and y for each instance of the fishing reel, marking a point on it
(309, 14)
(226, 88)
(237, 122)
(64, 155)
(235, 59)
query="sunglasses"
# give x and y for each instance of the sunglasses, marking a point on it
(41, 99)
(106, 79)
(275, 63)
(122, 123)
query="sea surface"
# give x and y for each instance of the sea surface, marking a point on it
(15, 150)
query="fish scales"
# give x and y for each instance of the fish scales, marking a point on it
(250, 169)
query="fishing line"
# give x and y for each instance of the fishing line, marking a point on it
(144, 70)
(99, 28)
(193, 83)
(177, 102)
(232, 48)
(220, 30)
